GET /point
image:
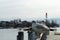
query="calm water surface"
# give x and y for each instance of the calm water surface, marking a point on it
(10, 34)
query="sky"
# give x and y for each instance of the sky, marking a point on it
(26, 9)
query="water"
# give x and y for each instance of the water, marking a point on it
(9, 34)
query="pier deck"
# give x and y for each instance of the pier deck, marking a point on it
(52, 36)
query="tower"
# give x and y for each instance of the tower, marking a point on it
(46, 15)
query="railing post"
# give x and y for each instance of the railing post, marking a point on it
(20, 36)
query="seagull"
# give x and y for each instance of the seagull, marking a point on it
(37, 27)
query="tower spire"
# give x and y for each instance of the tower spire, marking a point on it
(46, 15)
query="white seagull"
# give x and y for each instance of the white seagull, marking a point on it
(37, 27)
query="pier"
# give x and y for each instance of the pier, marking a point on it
(33, 35)
(30, 35)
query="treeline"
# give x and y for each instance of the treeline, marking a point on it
(48, 23)
(14, 24)
(19, 23)
(52, 23)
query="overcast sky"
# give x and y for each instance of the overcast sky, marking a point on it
(29, 8)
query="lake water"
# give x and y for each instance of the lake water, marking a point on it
(10, 34)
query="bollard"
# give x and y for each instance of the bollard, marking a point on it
(20, 36)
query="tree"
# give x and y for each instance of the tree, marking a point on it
(53, 24)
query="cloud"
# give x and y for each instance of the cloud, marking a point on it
(29, 8)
